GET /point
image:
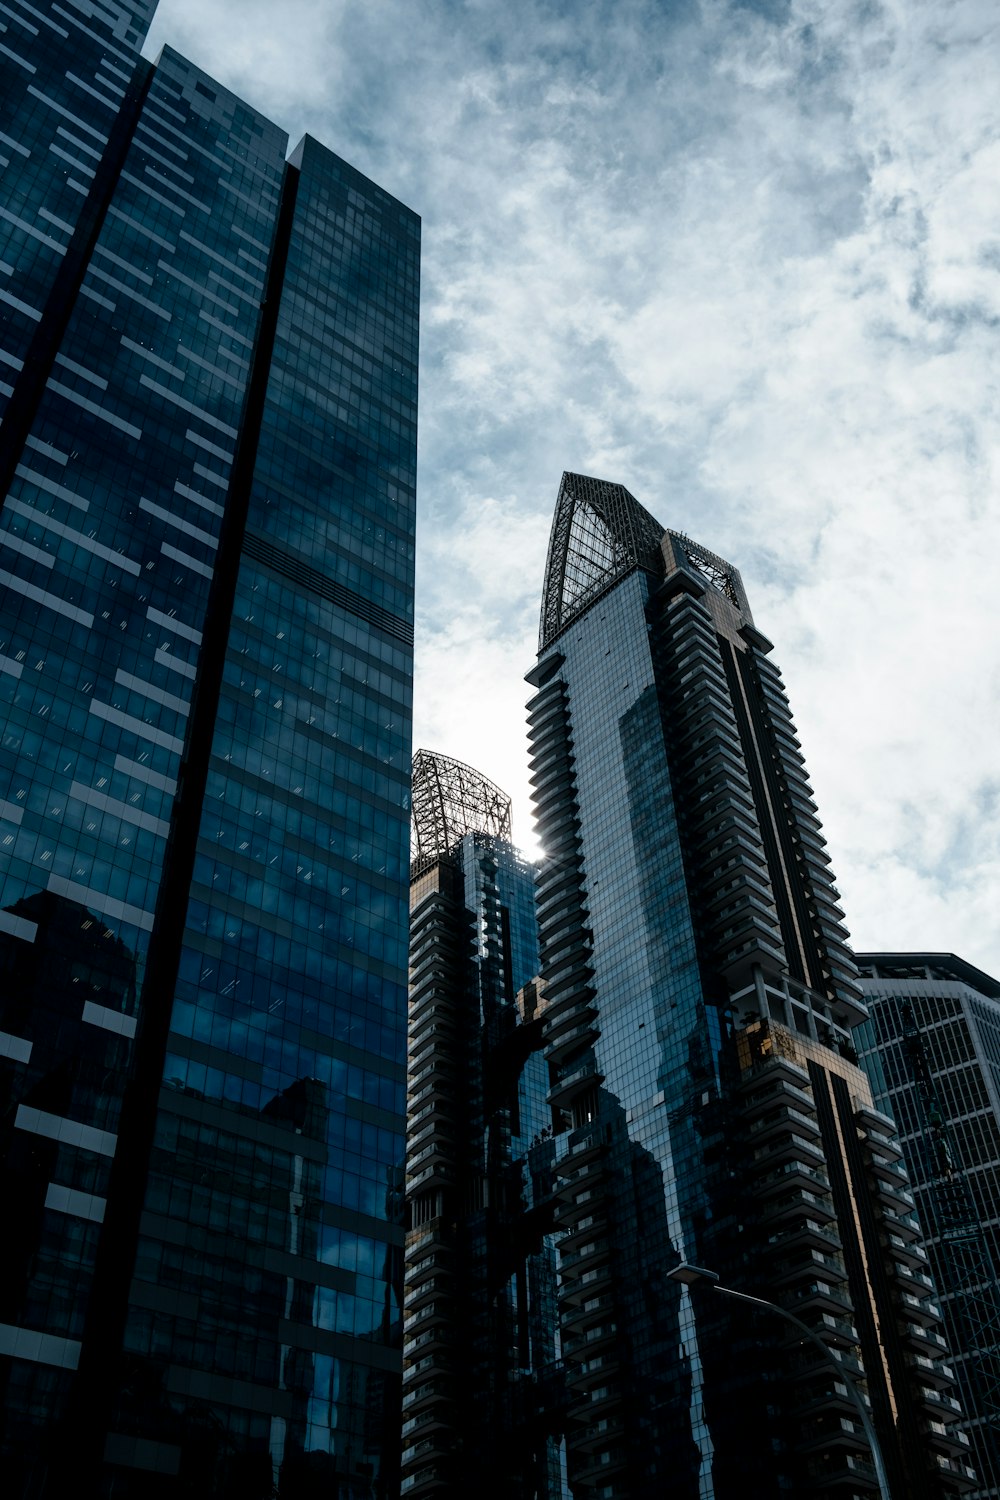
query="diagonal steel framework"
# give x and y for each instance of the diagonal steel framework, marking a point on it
(599, 533)
(450, 800)
(719, 573)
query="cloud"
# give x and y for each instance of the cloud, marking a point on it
(746, 260)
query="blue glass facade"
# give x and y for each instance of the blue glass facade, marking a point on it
(931, 1049)
(706, 1103)
(66, 74)
(206, 552)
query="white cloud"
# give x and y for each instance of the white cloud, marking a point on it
(746, 260)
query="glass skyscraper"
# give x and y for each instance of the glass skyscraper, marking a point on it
(932, 1050)
(206, 566)
(482, 1387)
(705, 1097)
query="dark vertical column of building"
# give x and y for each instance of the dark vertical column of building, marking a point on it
(107, 540)
(503, 1238)
(99, 1370)
(439, 1139)
(136, 746)
(291, 978)
(473, 1346)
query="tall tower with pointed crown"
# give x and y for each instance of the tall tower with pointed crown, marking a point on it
(706, 1102)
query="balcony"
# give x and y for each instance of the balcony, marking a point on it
(954, 1442)
(931, 1369)
(779, 1121)
(838, 1431)
(567, 1213)
(426, 1480)
(583, 1145)
(592, 1371)
(424, 1132)
(792, 1205)
(924, 1338)
(887, 1168)
(434, 1364)
(847, 1472)
(584, 1232)
(424, 1317)
(772, 1092)
(587, 1075)
(788, 1147)
(572, 1003)
(430, 1102)
(794, 1172)
(428, 1393)
(591, 1254)
(419, 1294)
(821, 1296)
(807, 1233)
(590, 1311)
(602, 1466)
(830, 1395)
(920, 1307)
(591, 1283)
(894, 1193)
(584, 1344)
(437, 1173)
(587, 1176)
(598, 1401)
(438, 1070)
(774, 1066)
(941, 1401)
(560, 1044)
(598, 1434)
(434, 1419)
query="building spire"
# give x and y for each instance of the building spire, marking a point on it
(599, 533)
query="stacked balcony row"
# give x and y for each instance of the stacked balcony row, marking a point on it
(798, 809)
(729, 876)
(438, 947)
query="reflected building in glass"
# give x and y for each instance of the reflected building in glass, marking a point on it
(705, 1097)
(482, 1390)
(206, 567)
(931, 1047)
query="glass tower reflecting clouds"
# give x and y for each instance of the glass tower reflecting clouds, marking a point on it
(932, 1050)
(206, 555)
(705, 1097)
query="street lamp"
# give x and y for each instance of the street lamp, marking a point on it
(698, 1276)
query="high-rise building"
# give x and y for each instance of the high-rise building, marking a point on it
(481, 1389)
(206, 564)
(932, 1051)
(706, 1100)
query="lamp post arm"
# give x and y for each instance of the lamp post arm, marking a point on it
(848, 1378)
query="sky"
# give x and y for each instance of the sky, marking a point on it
(745, 260)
